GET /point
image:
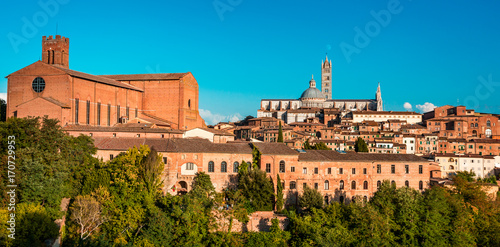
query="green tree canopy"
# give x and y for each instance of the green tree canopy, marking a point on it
(3, 110)
(360, 145)
(310, 198)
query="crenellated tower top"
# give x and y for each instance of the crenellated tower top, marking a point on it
(55, 51)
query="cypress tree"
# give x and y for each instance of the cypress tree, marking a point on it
(279, 195)
(280, 134)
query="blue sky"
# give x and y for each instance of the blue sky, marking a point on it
(242, 51)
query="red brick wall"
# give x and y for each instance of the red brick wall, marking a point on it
(19, 87)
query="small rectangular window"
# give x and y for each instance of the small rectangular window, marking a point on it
(364, 170)
(341, 170)
(316, 186)
(315, 170)
(190, 166)
(268, 168)
(128, 111)
(136, 112)
(110, 157)
(420, 169)
(329, 170)
(304, 170)
(407, 169)
(379, 168)
(292, 169)
(393, 169)
(353, 170)
(164, 160)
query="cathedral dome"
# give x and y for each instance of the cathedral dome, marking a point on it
(312, 92)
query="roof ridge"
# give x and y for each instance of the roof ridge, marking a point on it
(88, 76)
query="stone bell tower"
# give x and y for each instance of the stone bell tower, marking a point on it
(326, 78)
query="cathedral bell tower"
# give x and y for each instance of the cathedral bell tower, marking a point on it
(326, 78)
(55, 51)
(378, 98)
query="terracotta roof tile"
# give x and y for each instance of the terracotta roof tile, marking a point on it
(274, 148)
(146, 129)
(330, 155)
(189, 145)
(385, 113)
(146, 77)
(97, 78)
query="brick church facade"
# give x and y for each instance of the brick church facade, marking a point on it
(49, 87)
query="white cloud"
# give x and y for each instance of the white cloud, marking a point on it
(3, 96)
(427, 107)
(408, 106)
(214, 118)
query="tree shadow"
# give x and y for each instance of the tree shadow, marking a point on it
(244, 227)
(232, 183)
(263, 225)
(340, 196)
(292, 200)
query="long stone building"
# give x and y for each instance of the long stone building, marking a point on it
(337, 176)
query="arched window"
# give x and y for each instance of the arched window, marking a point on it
(235, 166)
(353, 185)
(420, 185)
(365, 185)
(341, 199)
(488, 123)
(407, 183)
(472, 125)
(475, 125)
(474, 133)
(341, 184)
(282, 166)
(378, 184)
(293, 185)
(211, 166)
(393, 183)
(452, 168)
(326, 200)
(223, 166)
(365, 198)
(487, 132)
(327, 185)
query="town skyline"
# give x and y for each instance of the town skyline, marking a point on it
(256, 50)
